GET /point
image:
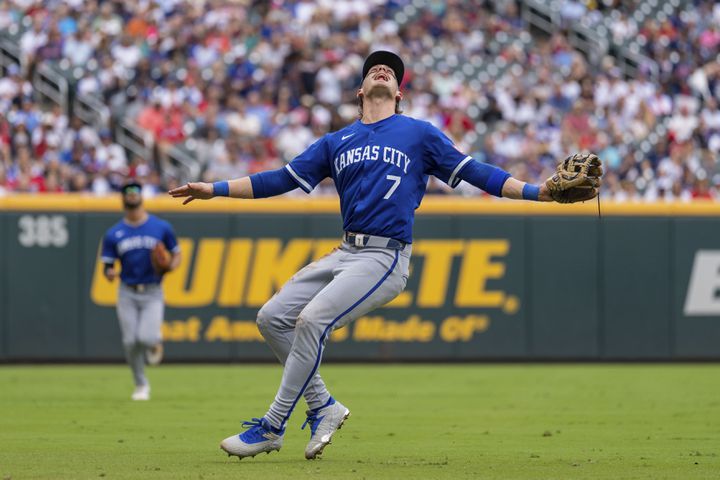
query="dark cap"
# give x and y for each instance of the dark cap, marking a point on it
(382, 57)
(129, 186)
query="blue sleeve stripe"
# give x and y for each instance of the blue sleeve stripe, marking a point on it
(454, 179)
(303, 184)
(107, 259)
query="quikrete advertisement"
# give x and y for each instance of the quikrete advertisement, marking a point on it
(487, 281)
(457, 289)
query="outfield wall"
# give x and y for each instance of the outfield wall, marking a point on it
(489, 280)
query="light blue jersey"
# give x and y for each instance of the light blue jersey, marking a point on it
(380, 171)
(132, 246)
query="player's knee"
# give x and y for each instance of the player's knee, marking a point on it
(149, 341)
(308, 324)
(266, 315)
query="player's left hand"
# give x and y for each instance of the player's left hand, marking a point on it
(111, 274)
(195, 190)
(577, 179)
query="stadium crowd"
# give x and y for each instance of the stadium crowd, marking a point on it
(248, 85)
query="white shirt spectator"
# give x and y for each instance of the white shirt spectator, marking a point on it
(111, 25)
(603, 92)
(711, 118)
(243, 123)
(112, 156)
(87, 135)
(304, 11)
(623, 28)
(89, 84)
(6, 17)
(572, 10)
(127, 55)
(571, 90)
(293, 140)
(171, 97)
(100, 185)
(9, 88)
(31, 40)
(444, 84)
(205, 56)
(328, 88)
(682, 125)
(78, 51)
(660, 104)
(525, 112)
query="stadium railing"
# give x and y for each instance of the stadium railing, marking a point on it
(53, 86)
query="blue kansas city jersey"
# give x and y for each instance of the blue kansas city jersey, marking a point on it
(380, 171)
(132, 246)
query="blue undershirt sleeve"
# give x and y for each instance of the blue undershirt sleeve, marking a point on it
(484, 176)
(271, 183)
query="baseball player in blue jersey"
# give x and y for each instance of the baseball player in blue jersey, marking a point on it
(380, 165)
(140, 304)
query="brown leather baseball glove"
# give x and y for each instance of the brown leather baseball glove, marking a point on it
(161, 258)
(577, 179)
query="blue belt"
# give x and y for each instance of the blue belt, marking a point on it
(362, 240)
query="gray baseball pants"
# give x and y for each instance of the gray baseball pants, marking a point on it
(327, 294)
(140, 315)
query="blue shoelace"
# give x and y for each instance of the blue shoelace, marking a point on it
(314, 421)
(255, 422)
(255, 432)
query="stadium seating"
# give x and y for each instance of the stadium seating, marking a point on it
(215, 91)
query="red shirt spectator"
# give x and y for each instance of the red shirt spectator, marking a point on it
(151, 118)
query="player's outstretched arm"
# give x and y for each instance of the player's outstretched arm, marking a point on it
(238, 188)
(499, 183)
(259, 185)
(578, 178)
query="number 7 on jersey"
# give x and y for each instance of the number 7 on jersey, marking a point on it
(396, 181)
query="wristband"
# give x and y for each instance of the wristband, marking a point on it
(221, 189)
(530, 192)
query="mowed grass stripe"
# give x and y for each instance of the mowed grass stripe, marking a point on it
(408, 421)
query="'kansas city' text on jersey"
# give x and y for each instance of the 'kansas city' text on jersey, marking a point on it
(380, 171)
(132, 246)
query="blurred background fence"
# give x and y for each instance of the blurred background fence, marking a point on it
(489, 281)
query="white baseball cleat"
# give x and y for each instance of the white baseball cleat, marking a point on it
(259, 437)
(324, 422)
(142, 392)
(154, 355)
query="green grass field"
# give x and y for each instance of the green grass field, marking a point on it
(408, 422)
